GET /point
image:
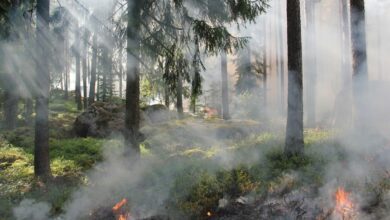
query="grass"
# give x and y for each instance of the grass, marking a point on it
(206, 165)
(69, 159)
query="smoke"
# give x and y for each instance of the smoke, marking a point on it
(362, 157)
(30, 209)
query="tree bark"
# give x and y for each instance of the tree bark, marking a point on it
(225, 87)
(359, 68)
(166, 86)
(41, 150)
(120, 69)
(92, 85)
(85, 69)
(265, 66)
(77, 59)
(105, 72)
(166, 96)
(294, 130)
(11, 96)
(66, 51)
(110, 76)
(179, 98)
(132, 120)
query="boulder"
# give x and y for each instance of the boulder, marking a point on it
(157, 113)
(104, 119)
(100, 120)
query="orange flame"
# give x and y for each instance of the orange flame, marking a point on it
(119, 213)
(209, 214)
(344, 206)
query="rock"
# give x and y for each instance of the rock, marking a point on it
(100, 120)
(157, 113)
(104, 119)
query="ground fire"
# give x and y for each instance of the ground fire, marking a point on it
(344, 206)
(120, 210)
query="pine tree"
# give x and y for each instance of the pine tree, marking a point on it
(41, 150)
(359, 54)
(132, 118)
(92, 84)
(294, 130)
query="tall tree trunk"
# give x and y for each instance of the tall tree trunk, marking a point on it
(66, 56)
(265, 65)
(311, 67)
(294, 129)
(359, 68)
(41, 150)
(225, 87)
(120, 69)
(98, 89)
(92, 85)
(77, 59)
(166, 86)
(179, 98)
(105, 65)
(132, 120)
(166, 96)
(110, 76)
(11, 97)
(85, 70)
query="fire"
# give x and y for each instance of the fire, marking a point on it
(120, 211)
(344, 205)
(209, 214)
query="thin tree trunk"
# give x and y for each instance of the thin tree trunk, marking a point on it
(85, 70)
(359, 68)
(166, 94)
(41, 150)
(179, 98)
(120, 69)
(66, 51)
(225, 87)
(311, 67)
(166, 86)
(110, 76)
(132, 120)
(105, 72)
(92, 85)
(294, 129)
(265, 65)
(98, 89)
(11, 97)
(77, 59)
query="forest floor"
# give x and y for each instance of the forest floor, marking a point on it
(209, 162)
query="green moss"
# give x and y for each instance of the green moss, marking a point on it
(60, 105)
(83, 152)
(196, 192)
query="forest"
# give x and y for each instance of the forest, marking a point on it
(194, 109)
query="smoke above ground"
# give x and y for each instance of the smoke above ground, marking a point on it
(363, 155)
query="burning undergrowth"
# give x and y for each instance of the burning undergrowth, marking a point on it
(250, 179)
